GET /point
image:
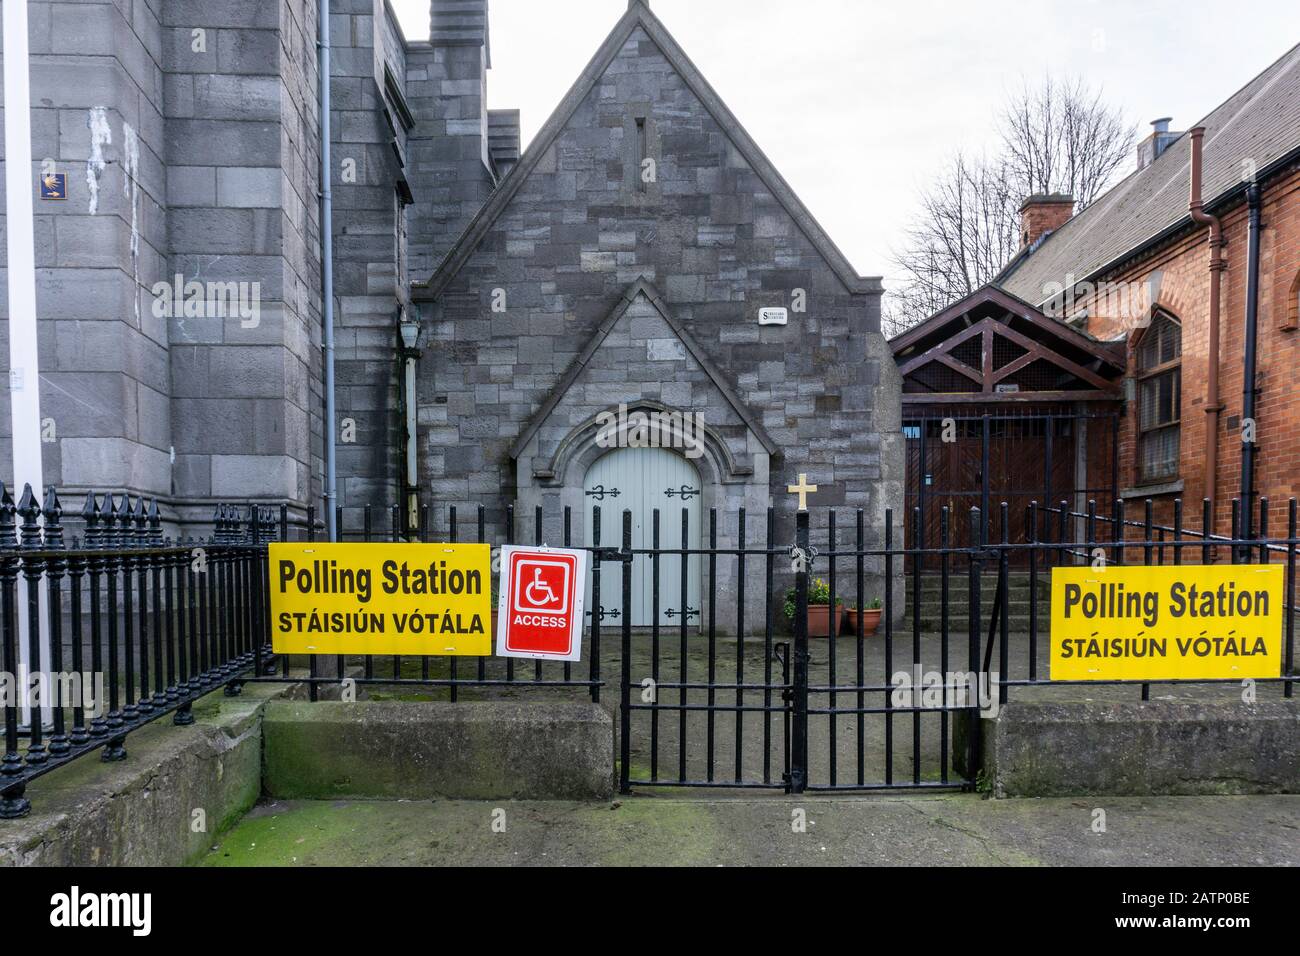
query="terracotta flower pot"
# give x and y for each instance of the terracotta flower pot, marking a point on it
(823, 620)
(870, 621)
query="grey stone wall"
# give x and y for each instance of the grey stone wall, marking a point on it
(210, 170)
(451, 171)
(241, 166)
(187, 131)
(97, 83)
(717, 244)
(369, 252)
(301, 247)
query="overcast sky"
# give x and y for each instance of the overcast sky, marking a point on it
(857, 101)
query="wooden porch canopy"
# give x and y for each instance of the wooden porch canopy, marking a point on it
(993, 348)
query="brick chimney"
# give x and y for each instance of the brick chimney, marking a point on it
(1042, 214)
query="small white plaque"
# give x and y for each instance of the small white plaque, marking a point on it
(772, 316)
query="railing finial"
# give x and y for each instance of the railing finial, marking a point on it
(8, 536)
(30, 510)
(53, 511)
(155, 523)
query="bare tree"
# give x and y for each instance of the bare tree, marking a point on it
(965, 231)
(1060, 137)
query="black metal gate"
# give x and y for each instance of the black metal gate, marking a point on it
(782, 694)
(838, 707)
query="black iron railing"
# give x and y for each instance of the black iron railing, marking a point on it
(455, 674)
(139, 625)
(742, 693)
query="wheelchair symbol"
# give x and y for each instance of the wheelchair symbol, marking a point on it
(542, 585)
(537, 586)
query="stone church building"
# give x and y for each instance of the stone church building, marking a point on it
(630, 253)
(642, 261)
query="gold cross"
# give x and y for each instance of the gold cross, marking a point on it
(803, 489)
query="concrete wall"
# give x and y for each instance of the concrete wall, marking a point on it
(484, 750)
(164, 805)
(1137, 748)
(180, 787)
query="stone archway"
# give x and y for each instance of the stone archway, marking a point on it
(556, 482)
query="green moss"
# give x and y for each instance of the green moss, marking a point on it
(684, 833)
(273, 839)
(636, 770)
(453, 833)
(408, 696)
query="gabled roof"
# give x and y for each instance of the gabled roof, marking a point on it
(1260, 123)
(991, 339)
(639, 15)
(641, 288)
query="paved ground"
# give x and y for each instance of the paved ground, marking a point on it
(676, 830)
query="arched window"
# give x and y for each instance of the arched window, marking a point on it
(1160, 397)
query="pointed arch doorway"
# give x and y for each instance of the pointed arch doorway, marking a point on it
(642, 480)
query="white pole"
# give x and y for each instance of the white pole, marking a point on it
(24, 365)
(24, 374)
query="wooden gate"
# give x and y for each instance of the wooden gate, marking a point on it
(1002, 403)
(981, 461)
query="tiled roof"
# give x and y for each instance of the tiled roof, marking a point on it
(1260, 124)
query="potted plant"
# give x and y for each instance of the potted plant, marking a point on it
(823, 621)
(870, 618)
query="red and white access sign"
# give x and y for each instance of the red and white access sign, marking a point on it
(540, 605)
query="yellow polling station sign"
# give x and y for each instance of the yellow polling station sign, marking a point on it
(1188, 622)
(421, 599)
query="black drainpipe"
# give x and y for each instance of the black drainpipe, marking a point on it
(1251, 448)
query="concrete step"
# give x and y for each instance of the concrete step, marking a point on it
(957, 623)
(986, 598)
(1013, 592)
(987, 582)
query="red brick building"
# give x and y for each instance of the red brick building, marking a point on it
(1134, 274)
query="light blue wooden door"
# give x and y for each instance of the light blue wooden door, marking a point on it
(643, 479)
